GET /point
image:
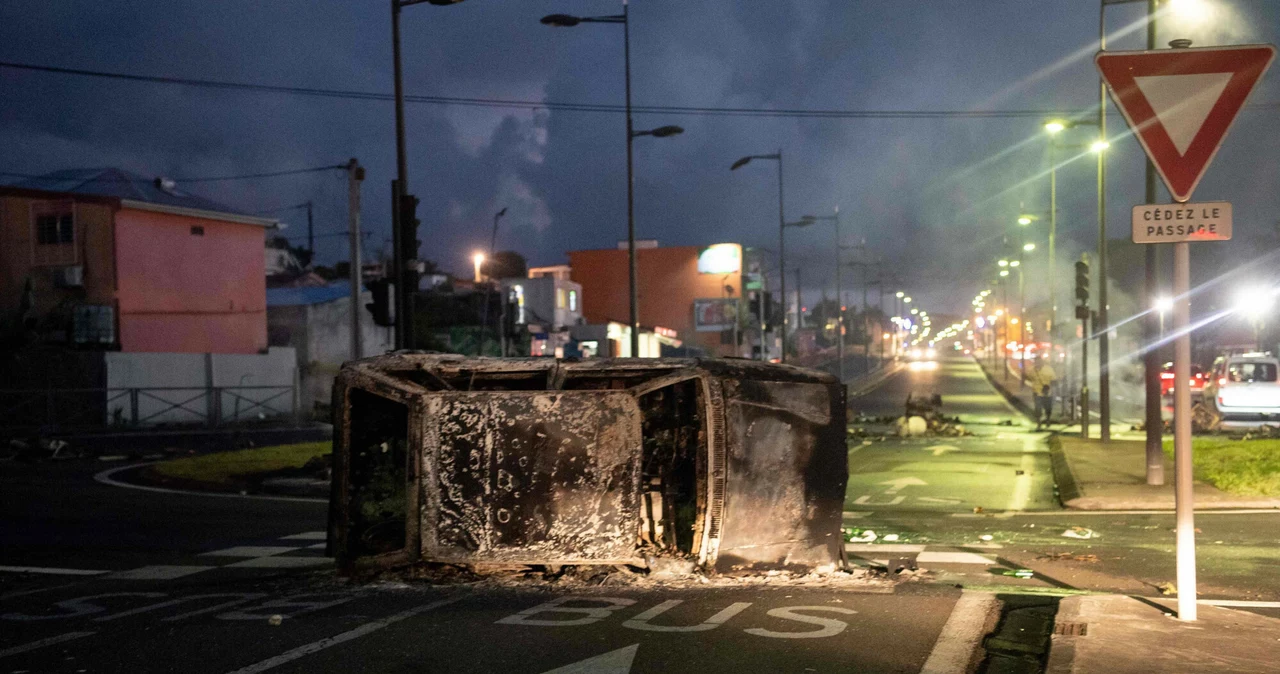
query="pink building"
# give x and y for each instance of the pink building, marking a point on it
(110, 259)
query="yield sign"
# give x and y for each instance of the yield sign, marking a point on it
(1181, 102)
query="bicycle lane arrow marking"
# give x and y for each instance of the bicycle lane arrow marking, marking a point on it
(613, 662)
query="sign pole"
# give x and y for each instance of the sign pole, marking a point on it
(1186, 528)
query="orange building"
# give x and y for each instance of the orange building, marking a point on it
(111, 259)
(669, 286)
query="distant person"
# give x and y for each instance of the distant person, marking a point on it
(1041, 379)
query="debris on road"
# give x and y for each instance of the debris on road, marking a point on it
(1167, 589)
(1019, 573)
(854, 535)
(1068, 557)
(1079, 532)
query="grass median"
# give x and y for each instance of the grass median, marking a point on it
(228, 469)
(1244, 467)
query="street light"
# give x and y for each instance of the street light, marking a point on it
(1003, 263)
(484, 321)
(1099, 146)
(405, 271)
(1028, 247)
(1024, 220)
(782, 249)
(568, 21)
(478, 258)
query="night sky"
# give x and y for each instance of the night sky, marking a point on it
(931, 196)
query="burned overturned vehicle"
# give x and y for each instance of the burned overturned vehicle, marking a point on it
(732, 465)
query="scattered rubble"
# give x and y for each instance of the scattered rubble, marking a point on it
(1080, 533)
(1068, 557)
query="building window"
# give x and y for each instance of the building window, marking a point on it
(573, 300)
(54, 235)
(559, 298)
(197, 230)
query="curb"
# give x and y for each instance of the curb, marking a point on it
(1017, 403)
(1065, 485)
(107, 477)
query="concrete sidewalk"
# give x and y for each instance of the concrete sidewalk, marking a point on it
(1118, 634)
(1091, 475)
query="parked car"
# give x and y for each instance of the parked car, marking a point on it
(1198, 379)
(1244, 387)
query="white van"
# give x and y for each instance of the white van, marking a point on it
(1245, 387)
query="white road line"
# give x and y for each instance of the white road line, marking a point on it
(1022, 484)
(281, 562)
(306, 536)
(855, 514)
(52, 571)
(1238, 603)
(1078, 513)
(953, 558)
(69, 636)
(961, 635)
(105, 477)
(367, 628)
(887, 547)
(251, 551)
(158, 572)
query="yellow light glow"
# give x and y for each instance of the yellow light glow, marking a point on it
(1024, 220)
(1055, 127)
(1003, 263)
(1014, 321)
(1004, 272)
(1099, 146)
(1015, 263)
(1192, 11)
(1029, 247)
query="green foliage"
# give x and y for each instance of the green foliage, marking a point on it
(1245, 467)
(223, 468)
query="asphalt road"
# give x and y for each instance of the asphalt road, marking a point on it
(1004, 470)
(95, 577)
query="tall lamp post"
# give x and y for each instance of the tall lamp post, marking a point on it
(567, 21)
(782, 248)
(484, 322)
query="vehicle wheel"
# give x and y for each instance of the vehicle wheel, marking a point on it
(1203, 418)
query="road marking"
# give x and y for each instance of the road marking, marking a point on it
(944, 501)
(306, 536)
(318, 546)
(953, 558)
(280, 562)
(158, 572)
(961, 634)
(855, 514)
(251, 551)
(106, 477)
(1022, 485)
(367, 628)
(641, 622)
(897, 485)
(613, 662)
(52, 571)
(38, 590)
(1237, 603)
(865, 499)
(887, 547)
(61, 638)
(939, 450)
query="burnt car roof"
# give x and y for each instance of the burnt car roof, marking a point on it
(720, 367)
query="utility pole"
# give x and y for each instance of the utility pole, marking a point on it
(1100, 323)
(397, 265)
(355, 175)
(799, 307)
(1151, 359)
(311, 237)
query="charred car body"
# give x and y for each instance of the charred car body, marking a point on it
(734, 465)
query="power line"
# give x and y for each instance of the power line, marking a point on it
(207, 179)
(553, 105)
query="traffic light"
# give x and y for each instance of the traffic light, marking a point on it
(380, 307)
(1082, 290)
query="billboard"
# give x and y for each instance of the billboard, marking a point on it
(714, 315)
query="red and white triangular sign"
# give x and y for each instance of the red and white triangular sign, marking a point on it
(1181, 102)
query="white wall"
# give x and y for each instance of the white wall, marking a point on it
(328, 339)
(176, 387)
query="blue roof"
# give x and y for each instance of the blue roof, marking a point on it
(307, 295)
(114, 182)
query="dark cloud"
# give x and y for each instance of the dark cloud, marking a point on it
(918, 191)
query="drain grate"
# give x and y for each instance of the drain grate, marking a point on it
(1070, 629)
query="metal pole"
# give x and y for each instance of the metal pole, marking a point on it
(1084, 380)
(631, 203)
(1151, 359)
(311, 237)
(760, 310)
(782, 261)
(1102, 328)
(401, 182)
(484, 321)
(866, 324)
(839, 290)
(355, 174)
(799, 305)
(1186, 543)
(1053, 249)
(397, 266)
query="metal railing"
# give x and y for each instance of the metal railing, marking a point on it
(137, 407)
